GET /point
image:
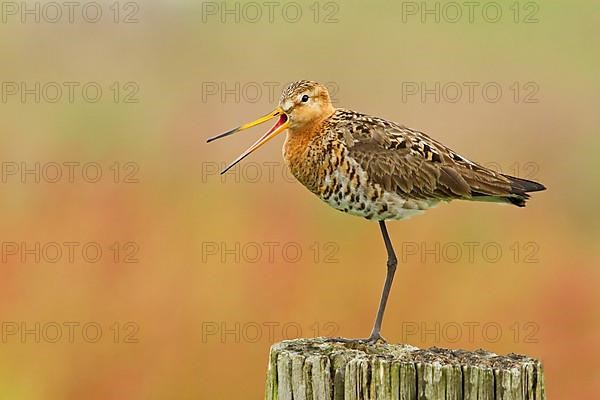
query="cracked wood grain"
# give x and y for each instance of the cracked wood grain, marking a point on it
(320, 369)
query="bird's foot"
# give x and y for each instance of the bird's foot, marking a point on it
(376, 338)
(373, 339)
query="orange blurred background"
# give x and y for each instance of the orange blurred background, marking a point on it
(160, 279)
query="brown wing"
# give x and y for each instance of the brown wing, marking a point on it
(412, 164)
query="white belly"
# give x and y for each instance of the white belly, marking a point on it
(369, 200)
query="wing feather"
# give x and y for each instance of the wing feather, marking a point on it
(411, 163)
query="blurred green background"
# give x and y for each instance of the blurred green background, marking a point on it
(228, 265)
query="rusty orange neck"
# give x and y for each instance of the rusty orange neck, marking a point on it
(299, 138)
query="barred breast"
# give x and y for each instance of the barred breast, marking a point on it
(323, 166)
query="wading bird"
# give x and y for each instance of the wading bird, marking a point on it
(375, 168)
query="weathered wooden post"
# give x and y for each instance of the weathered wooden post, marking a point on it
(317, 369)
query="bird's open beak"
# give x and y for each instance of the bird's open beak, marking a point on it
(279, 127)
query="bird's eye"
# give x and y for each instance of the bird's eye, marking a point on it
(305, 98)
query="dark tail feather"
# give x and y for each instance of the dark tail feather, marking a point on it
(520, 188)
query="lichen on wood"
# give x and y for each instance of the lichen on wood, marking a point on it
(323, 369)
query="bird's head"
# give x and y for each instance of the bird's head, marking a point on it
(302, 105)
(305, 103)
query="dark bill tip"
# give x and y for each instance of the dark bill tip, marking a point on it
(222, 135)
(234, 163)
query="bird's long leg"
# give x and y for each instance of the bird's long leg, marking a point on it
(392, 262)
